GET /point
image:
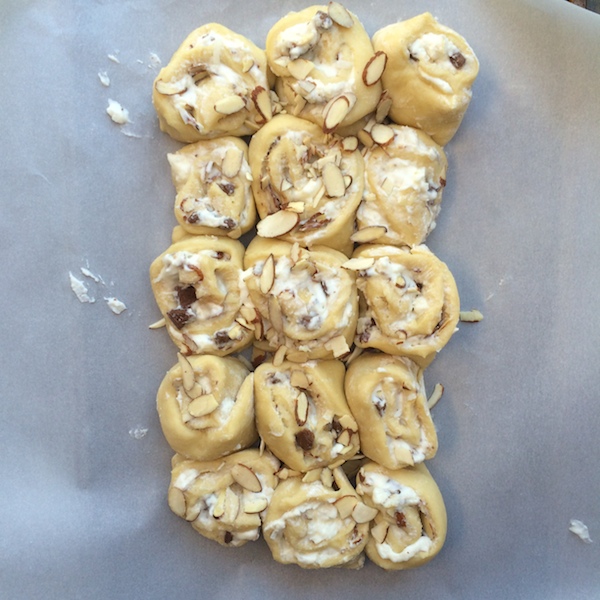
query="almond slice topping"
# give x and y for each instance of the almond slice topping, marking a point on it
(279, 356)
(167, 88)
(262, 101)
(219, 507)
(365, 138)
(379, 532)
(436, 395)
(296, 206)
(246, 477)
(327, 477)
(470, 316)
(350, 143)
(203, 405)
(229, 105)
(295, 252)
(383, 107)
(158, 324)
(374, 68)
(336, 110)
(187, 372)
(267, 277)
(338, 345)
(346, 505)
(232, 162)
(255, 504)
(333, 179)
(177, 503)
(247, 64)
(311, 476)
(298, 379)
(195, 391)
(363, 513)
(301, 408)
(382, 134)
(275, 315)
(344, 438)
(278, 223)
(300, 68)
(368, 234)
(360, 263)
(340, 15)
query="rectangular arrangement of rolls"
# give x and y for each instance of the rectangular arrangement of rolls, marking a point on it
(331, 143)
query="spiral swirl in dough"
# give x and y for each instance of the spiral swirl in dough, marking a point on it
(215, 84)
(409, 303)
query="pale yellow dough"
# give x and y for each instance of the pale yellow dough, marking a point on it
(295, 167)
(387, 397)
(335, 58)
(314, 521)
(404, 181)
(211, 87)
(225, 500)
(206, 407)
(409, 304)
(429, 74)
(410, 526)
(212, 181)
(198, 286)
(302, 414)
(308, 308)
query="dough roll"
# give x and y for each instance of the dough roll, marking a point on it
(317, 521)
(212, 181)
(325, 64)
(198, 286)
(410, 526)
(386, 395)
(215, 84)
(225, 500)
(404, 180)
(409, 303)
(306, 301)
(206, 407)
(311, 177)
(302, 414)
(429, 74)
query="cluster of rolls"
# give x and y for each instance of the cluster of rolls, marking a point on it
(317, 438)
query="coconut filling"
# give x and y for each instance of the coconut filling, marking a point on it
(392, 498)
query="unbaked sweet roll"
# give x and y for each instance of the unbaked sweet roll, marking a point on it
(206, 407)
(386, 395)
(225, 500)
(215, 84)
(405, 174)
(410, 526)
(306, 301)
(317, 521)
(327, 70)
(409, 303)
(429, 73)
(199, 288)
(309, 182)
(302, 414)
(212, 181)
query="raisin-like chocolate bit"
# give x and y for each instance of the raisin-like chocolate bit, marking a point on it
(400, 520)
(227, 187)
(222, 339)
(228, 224)
(458, 60)
(186, 296)
(193, 218)
(305, 438)
(228, 537)
(179, 316)
(222, 255)
(442, 182)
(412, 56)
(336, 426)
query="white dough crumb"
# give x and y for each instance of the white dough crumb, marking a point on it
(104, 78)
(137, 433)
(580, 529)
(80, 290)
(154, 60)
(114, 58)
(115, 305)
(117, 113)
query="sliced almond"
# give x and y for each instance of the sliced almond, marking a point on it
(187, 372)
(347, 422)
(247, 64)
(367, 235)
(350, 143)
(340, 15)
(246, 477)
(338, 345)
(438, 392)
(278, 223)
(232, 162)
(300, 68)
(301, 408)
(327, 477)
(383, 107)
(279, 356)
(470, 316)
(363, 513)
(382, 134)
(346, 505)
(298, 106)
(297, 207)
(230, 105)
(336, 110)
(195, 391)
(286, 185)
(299, 379)
(249, 313)
(275, 315)
(158, 324)
(267, 277)
(259, 329)
(347, 181)
(177, 503)
(379, 532)
(262, 101)
(232, 505)
(374, 68)
(387, 185)
(295, 252)
(360, 263)
(311, 476)
(306, 86)
(344, 438)
(298, 356)
(404, 455)
(167, 88)
(255, 504)
(365, 138)
(333, 179)
(219, 507)
(203, 405)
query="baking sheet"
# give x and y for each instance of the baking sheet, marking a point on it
(84, 467)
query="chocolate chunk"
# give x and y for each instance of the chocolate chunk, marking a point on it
(227, 187)
(400, 520)
(222, 339)
(222, 255)
(336, 426)
(228, 224)
(193, 218)
(305, 438)
(186, 296)
(442, 182)
(228, 537)
(180, 316)
(458, 60)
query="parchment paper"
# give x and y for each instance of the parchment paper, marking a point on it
(84, 468)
